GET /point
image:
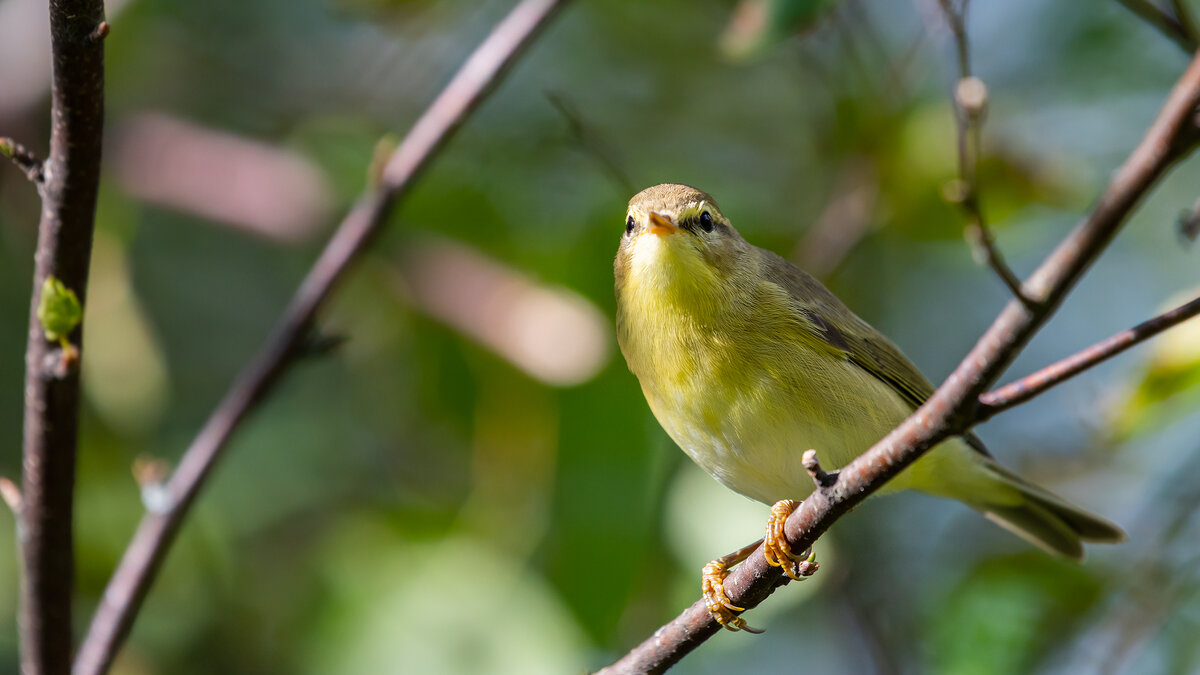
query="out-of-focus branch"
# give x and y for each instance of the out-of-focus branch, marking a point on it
(471, 84)
(1183, 15)
(1189, 223)
(1178, 28)
(953, 408)
(25, 160)
(843, 223)
(590, 142)
(970, 106)
(1016, 393)
(68, 181)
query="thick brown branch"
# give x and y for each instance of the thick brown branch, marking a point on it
(470, 85)
(1016, 393)
(69, 186)
(953, 407)
(1168, 25)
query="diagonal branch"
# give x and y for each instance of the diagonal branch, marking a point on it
(470, 86)
(1183, 16)
(953, 408)
(1016, 393)
(1174, 27)
(68, 184)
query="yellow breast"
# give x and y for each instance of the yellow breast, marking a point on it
(741, 388)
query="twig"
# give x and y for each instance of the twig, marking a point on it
(471, 84)
(1189, 223)
(69, 184)
(1184, 16)
(1166, 24)
(970, 106)
(952, 408)
(25, 160)
(1016, 393)
(590, 142)
(821, 479)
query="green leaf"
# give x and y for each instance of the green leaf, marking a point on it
(1006, 613)
(59, 311)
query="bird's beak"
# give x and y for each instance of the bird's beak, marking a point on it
(661, 225)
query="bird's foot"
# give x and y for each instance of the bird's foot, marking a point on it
(776, 549)
(712, 586)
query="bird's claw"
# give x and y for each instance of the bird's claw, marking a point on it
(776, 549)
(712, 585)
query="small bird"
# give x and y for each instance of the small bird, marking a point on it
(747, 361)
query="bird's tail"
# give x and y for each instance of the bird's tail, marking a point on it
(1045, 519)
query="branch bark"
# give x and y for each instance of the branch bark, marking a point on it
(24, 160)
(1013, 394)
(472, 83)
(69, 183)
(953, 408)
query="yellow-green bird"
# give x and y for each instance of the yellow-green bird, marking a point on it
(747, 361)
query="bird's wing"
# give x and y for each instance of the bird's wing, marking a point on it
(822, 313)
(834, 325)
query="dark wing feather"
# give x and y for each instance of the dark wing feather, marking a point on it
(835, 325)
(856, 340)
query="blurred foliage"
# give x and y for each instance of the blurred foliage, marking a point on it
(1168, 387)
(758, 25)
(413, 501)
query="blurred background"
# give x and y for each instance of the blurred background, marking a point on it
(472, 482)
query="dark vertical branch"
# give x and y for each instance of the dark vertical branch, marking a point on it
(71, 178)
(970, 107)
(131, 581)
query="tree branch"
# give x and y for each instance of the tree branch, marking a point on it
(470, 86)
(1186, 23)
(970, 107)
(1168, 25)
(953, 408)
(1016, 393)
(69, 184)
(25, 160)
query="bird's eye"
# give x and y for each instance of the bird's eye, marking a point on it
(706, 221)
(629, 225)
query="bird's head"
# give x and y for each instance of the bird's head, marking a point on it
(677, 245)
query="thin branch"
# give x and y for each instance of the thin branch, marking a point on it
(25, 160)
(1184, 16)
(1189, 223)
(953, 408)
(470, 86)
(591, 142)
(69, 185)
(1016, 393)
(1164, 23)
(970, 107)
